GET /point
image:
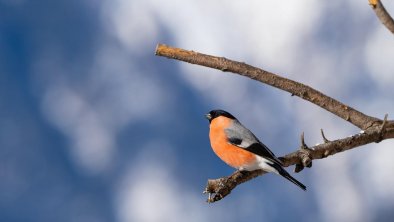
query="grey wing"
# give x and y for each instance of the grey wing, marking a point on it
(242, 137)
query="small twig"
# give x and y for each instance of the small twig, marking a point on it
(384, 122)
(299, 166)
(304, 153)
(382, 128)
(382, 14)
(324, 137)
(303, 145)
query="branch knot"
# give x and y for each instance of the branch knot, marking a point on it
(304, 156)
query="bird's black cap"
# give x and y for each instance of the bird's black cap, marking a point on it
(216, 113)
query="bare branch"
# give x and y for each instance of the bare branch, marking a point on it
(382, 14)
(305, 92)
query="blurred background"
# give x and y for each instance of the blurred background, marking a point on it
(95, 127)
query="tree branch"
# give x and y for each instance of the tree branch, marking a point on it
(375, 130)
(305, 92)
(382, 14)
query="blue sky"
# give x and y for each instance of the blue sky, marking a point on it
(94, 127)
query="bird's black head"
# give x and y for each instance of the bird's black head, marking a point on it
(216, 113)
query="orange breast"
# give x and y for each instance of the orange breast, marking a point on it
(230, 154)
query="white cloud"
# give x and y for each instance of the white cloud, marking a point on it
(339, 197)
(132, 22)
(379, 52)
(91, 142)
(257, 32)
(131, 92)
(114, 93)
(150, 191)
(377, 172)
(151, 194)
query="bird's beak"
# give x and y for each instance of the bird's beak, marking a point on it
(208, 116)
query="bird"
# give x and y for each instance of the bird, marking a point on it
(238, 147)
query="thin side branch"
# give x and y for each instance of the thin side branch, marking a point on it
(305, 92)
(303, 144)
(324, 137)
(382, 14)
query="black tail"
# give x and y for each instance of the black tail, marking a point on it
(292, 179)
(286, 175)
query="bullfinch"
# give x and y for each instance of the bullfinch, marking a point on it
(239, 147)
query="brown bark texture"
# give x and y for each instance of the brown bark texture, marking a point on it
(382, 14)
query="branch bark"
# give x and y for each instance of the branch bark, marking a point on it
(382, 14)
(305, 92)
(374, 129)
